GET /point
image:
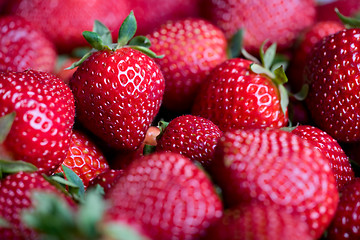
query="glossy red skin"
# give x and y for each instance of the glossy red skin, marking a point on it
(45, 112)
(193, 137)
(67, 35)
(233, 97)
(256, 221)
(118, 94)
(328, 146)
(191, 48)
(24, 46)
(346, 222)
(276, 167)
(84, 158)
(15, 196)
(107, 179)
(334, 89)
(276, 20)
(167, 195)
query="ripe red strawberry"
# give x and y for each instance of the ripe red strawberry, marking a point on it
(328, 146)
(24, 46)
(308, 40)
(16, 192)
(346, 222)
(332, 74)
(235, 97)
(67, 34)
(84, 158)
(107, 179)
(193, 137)
(44, 107)
(118, 90)
(276, 167)
(191, 49)
(255, 221)
(276, 20)
(167, 195)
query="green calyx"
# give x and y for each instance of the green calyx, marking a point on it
(100, 39)
(349, 22)
(6, 122)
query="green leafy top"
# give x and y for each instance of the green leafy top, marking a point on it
(100, 39)
(349, 22)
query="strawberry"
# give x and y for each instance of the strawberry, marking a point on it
(276, 167)
(193, 137)
(346, 222)
(192, 48)
(325, 11)
(328, 146)
(84, 158)
(167, 195)
(44, 116)
(66, 35)
(106, 179)
(118, 89)
(255, 221)
(241, 94)
(24, 46)
(276, 20)
(332, 75)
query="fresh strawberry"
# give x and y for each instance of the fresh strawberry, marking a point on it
(333, 77)
(276, 167)
(191, 49)
(276, 20)
(236, 95)
(84, 158)
(66, 35)
(16, 192)
(346, 222)
(107, 179)
(118, 90)
(24, 46)
(44, 109)
(193, 137)
(255, 221)
(167, 195)
(328, 146)
(307, 41)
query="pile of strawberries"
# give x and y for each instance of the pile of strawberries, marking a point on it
(181, 119)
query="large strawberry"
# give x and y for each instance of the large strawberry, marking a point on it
(276, 167)
(167, 195)
(118, 89)
(44, 116)
(24, 46)
(276, 20)
(192, 48)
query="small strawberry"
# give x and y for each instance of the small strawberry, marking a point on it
(193, 137)
(328, 146)
(276, 167)
(255, 221)
(118, 89)
(44, 116)
(192, 48)
(84, 158)
(167, 195)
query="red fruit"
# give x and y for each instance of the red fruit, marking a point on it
(346, 222)
(326, 12)
(234, 97)
(118, 93)
(193, 137)
(276, 167)
(328, 146)
(107, 179)
(84, 158)
(15, 196)
(24, 46)
(255, 221)
(45, 111)
(67, 34)
(191, 49)
(167, 195)
(276, 20)
(333, 77)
